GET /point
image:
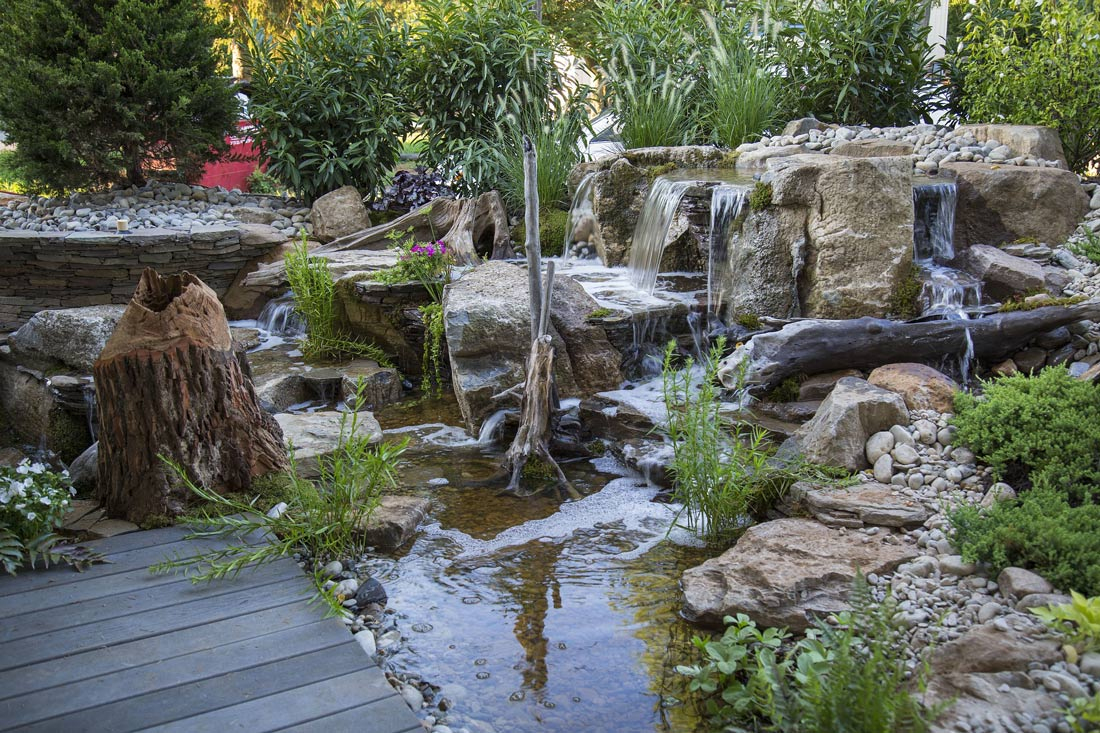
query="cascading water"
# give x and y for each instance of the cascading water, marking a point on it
(579, 211)
(280, 318)
(92, 412)
(491, 427)
(658, 211)
(727, 203)
(946, 292)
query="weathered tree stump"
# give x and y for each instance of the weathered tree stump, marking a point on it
(169, 384)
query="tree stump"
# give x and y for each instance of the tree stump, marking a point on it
(169, 384)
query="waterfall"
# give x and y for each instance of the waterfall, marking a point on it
(727, 202)
(655, 220)
(580, 210)
(934, 222)
(491, 427)
(280, 317)
(92, 411)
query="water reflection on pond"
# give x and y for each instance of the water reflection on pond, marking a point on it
(533, 614)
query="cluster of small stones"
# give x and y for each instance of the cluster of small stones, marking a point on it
(375, 628)
(156, 205)
(933, 145)
(940, 596)
(1070, 257)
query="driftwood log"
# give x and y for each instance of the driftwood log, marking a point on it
(815, 346)
(462, 224)
(169, 384)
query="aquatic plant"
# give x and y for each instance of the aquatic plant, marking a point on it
(323, 517)
(315, 299)
(751, 676)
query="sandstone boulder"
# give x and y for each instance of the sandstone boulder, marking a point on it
(1002, 275)
(338, 214)
(487, 321)
(986, 648)
(757, 159)
(802, 126)
(1006, 203)
(853, 412)
(922, 387)
(873, 148)
(317, 434)
(864, 504)
(836, 241)
(1019, 582)
(393, 522)
(781, 572)
(70, 336)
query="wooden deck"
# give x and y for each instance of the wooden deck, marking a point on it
(118, 649)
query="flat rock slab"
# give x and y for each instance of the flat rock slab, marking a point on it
(856, 506)
(317, 434)
(987, 648)
(394, 521)
(72, 336)
(782, 571)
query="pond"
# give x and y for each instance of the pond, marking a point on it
(533, 614)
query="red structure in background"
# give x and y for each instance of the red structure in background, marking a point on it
(234, 168)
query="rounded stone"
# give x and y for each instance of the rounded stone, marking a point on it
(905, 455)
(878, 445)
(884, 468)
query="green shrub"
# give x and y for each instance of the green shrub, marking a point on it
(315, 299)
(555, 136)
(326, 99)
(740, 98)
(850, 677)
(11, 175)
(1089, 249)
(98, 93)
(474, 61)
(1035, 63)
(1084, 714)
(1045, 426)
(1040, 531)
(1078, 621)
(322, 517)
(856, 61)
(263, 183)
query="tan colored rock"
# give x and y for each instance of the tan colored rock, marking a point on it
(836, 241)
(802, 126)
(922, 387)
(393, 522)
(852, 413)
(338, 214)
(757, 159)
(988, 649)
(864, 504)
(1002, 275)
(873, 148)
(1035, 141)
(1005, 369)
(317, 434)
(1005, 203)
(781, 572)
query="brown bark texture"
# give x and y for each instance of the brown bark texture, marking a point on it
(169, 384)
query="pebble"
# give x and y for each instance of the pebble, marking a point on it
(366, 640)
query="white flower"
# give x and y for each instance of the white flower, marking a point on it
(32, 516)
(45, 500)
(37, 468)
(22, 469)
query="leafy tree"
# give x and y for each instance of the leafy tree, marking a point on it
(326, 99)
(98, 92)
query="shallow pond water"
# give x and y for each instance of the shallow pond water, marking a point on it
(534, 614)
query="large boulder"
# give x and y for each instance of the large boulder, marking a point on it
(1006, 203)
(338, 214)
(1033, 141)
(487, 321)
(836, 240)
(781, 572)
(1002, 275)
(987, 648)
(922, 387)
(864, 504)
(70, 336)
(853, 412)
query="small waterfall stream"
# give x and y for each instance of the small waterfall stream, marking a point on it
(280, 318)
(946, 292)
(579, 211)
(658, 211)
(727, 204)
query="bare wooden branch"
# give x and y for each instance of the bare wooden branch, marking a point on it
(533, 437)
(547, 296)
(531, 222)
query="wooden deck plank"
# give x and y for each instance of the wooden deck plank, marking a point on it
(292, 707)
(104, 660)
(127, 603)
(139, 626)
(184, 700)
(387, 716)
(130, 559)
(163, 674)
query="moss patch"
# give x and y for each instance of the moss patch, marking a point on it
(1020, 304)
(750, 321)
(599, 313)
(729, 160)
(905, 300)
(659, 170)
(552, 224)
(537, 469)
(761, 196)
